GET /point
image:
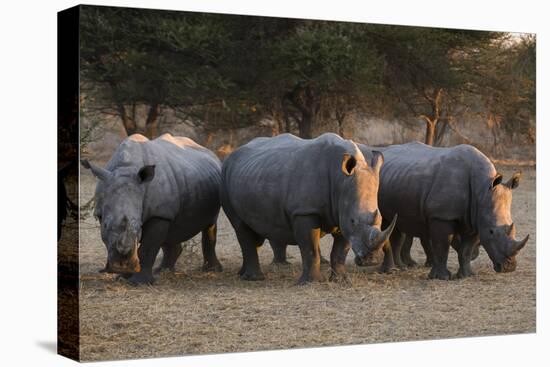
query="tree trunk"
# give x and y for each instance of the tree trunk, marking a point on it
(340, 118)
(128, 122)
(307, 102)
(430, 131)
(432, 121)
(152, 122)
(440, 131)
(305, 125)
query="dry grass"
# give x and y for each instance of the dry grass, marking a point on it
(191, 312)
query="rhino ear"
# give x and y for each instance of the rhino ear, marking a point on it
(496, 180)
(146, 173)
(348, 164)
(514, 181)
(377, 160)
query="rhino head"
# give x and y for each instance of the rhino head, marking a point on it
(359, 218)
(497, 232)
(119, 208)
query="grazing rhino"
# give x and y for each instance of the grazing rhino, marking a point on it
(440, 193)
(292, 191)
(156, 193)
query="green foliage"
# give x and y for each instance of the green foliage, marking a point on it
(153, 56)
(236, 69)
(327, 54)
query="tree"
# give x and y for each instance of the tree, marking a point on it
(319, 61)
(154, 58)
(425, 66)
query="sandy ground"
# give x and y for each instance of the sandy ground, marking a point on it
(190, 312)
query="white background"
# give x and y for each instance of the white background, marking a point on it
(28, 179)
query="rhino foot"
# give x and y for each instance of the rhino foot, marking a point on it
(387, 269)
(280, 262)
(141, 278)
(464, 273)
(252, 276)
(442, 274)
(411, 263)
(338, 277)
(215, 267)
(428, 264)
(305, 279)
(161, 269)
(402, 266)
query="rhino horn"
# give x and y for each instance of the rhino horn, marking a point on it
(98, 172)
(384, 235)
(517, 246)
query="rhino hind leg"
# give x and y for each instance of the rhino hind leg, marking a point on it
(154, 233)
(340, 249)
(170, 255)
(208, 240)
(307, 232)
(279, 253)
(441, 233)
(406, 252)
(249, 242)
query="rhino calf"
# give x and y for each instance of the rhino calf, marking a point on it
(291, 191)
(441, 194)
(153, 194)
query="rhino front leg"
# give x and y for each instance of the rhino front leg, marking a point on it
(170, 255)
(441, 233)
(279, 252)
(340, 249)
(153, 234)
(465, 248)
(208, 241)
(249, 242)
(307, 232)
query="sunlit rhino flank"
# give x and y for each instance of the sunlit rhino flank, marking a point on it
(155, 194)
(290, 190)
(448, 196)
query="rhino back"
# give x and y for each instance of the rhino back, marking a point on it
(270, 180)
(420, 182)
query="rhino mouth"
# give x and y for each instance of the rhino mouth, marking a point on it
(117, 263)
(506, 266)
(371, 259)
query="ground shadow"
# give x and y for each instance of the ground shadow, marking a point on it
(48, 345)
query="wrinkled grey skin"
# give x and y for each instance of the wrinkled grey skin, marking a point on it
(441, 194)
(153, 194)
(292, 191)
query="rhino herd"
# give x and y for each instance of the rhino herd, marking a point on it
(159, 193)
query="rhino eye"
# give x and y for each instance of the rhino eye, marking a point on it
(353, 221)
(491, 231)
